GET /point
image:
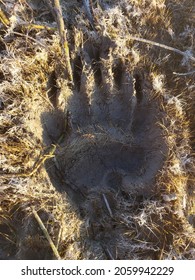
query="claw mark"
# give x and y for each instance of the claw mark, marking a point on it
(97, 73)
(52, 92)
(77, 72)
(138, 87)
(117, 70)
(89, 12)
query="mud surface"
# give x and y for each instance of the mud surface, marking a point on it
(113, 141)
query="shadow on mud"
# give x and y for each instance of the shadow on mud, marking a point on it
(111, 150)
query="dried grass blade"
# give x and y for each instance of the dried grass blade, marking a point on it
(107, 205)
(53, 247)
(3, 18)
(185, 54)
(64, 42)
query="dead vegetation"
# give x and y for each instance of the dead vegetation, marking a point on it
(38, 218)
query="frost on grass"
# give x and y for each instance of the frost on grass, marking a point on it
(120, 183)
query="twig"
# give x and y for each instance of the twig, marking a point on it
(59, 237)
(3, 18)
(184, 74)
(53, 247)
(162, 46)
(64, 42)
(107, 205)
(29, 37)
(36, 26)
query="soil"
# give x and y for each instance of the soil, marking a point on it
(119, 182)
(113, 131)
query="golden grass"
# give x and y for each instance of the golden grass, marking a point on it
(153, 229)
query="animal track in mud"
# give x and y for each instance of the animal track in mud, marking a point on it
(114, 142)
